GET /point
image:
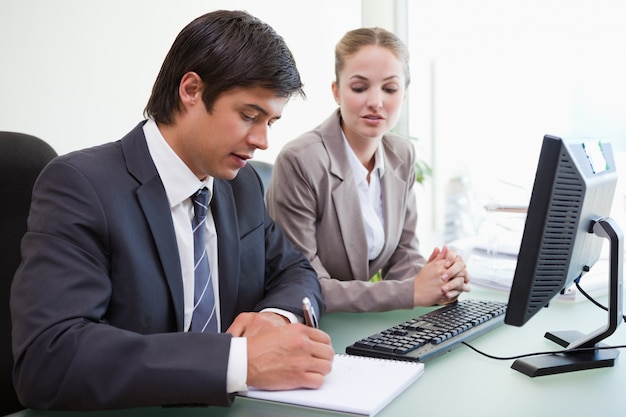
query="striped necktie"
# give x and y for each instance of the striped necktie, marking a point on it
(204, 318)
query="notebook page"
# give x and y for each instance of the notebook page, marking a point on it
(356, 385)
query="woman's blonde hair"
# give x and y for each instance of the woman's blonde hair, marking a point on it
(355, 39)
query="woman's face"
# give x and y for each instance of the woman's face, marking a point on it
(370, 93)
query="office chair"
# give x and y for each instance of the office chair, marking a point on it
(22, 157)
(264, 169)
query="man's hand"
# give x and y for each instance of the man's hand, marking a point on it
(246, 324)
(283, 356)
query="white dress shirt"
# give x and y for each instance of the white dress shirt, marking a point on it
(370, 198)
(180, 184)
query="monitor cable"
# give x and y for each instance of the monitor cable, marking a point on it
(549, 352)
(554, 352)
(590, 298)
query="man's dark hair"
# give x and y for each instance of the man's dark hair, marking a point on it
(227, 49)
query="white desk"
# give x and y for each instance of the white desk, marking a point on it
(460, 383)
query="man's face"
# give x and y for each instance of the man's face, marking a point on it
(218, 143)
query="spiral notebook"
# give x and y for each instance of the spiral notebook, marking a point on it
(356, 385)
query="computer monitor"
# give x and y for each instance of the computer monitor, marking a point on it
(567, 222)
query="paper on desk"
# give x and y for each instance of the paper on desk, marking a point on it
(496, 272)
(356, 385)
(505, 244)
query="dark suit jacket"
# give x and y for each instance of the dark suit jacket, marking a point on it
(97, 302)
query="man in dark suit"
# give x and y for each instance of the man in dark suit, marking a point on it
(103, 301)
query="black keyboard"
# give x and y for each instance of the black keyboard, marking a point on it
(433, 334)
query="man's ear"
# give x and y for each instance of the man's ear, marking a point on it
(190, 89)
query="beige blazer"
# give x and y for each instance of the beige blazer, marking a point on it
(313, 197)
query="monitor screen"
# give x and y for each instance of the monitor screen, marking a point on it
(574, 188)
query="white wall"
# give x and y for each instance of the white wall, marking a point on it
(79, 72)
(491, 77)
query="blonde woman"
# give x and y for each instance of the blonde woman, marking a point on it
(344, 192)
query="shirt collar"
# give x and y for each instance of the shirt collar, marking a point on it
(360, 172)
(178, 180)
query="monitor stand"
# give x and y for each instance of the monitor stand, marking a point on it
(593, 358)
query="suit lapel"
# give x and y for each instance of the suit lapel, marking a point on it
(154, 203)
(223, 207)
(346, 203)
(392, 189)
(345, 198)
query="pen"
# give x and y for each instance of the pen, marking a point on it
(309, 313)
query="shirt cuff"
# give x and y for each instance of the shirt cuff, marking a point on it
(237, 371)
